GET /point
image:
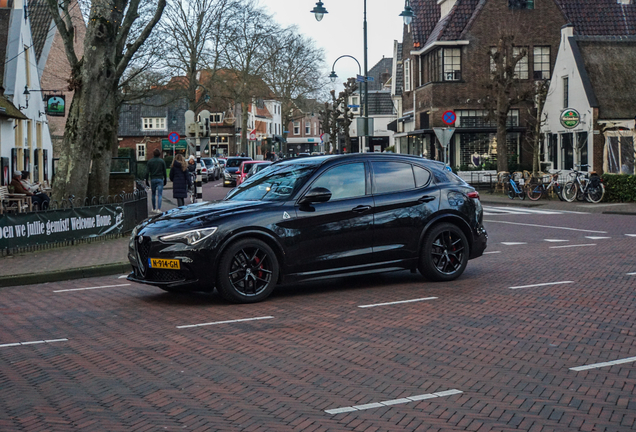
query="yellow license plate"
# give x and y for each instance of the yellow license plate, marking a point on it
(161, 263)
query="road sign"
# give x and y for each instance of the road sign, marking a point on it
(444, 135)
(449, 117)
(173, 137)
(253, 135)
(353, 106)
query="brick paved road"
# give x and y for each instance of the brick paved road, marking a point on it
(127, 366)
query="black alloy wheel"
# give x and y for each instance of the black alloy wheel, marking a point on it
(248, 271)
(444, 253)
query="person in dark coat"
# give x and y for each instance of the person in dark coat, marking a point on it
(181, 179)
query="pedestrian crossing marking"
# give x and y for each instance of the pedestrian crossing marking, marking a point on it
(500, 211)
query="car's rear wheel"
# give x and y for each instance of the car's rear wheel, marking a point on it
(444, 253)
(248, 271)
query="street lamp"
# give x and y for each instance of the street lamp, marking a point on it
(319, 11)
(333, 76)
(27, 94)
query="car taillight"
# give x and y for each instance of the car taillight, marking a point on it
(473, 194)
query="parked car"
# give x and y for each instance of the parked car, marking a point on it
(214, 171)
(230, 173)
(314, 218)
(246, 167)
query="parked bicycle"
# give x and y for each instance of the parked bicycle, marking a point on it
(584, 186)
(539, 189)
(514, 189)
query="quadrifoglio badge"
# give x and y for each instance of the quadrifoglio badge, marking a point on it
(570, 118)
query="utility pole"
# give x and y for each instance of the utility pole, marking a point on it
(198, 129)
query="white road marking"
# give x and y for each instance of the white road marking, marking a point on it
(604, 364)
(492, 211)
(513, 243)
(398, 302)
(547, 226)
(601, 205)
(555, 240)
(393, 402)
(492, 252)
(32, 342)
(630, 235)
(570, 246)
(596, 238)
(225, 322)
(541, 284)
(91, 288)
(631, 274)
(122, 277)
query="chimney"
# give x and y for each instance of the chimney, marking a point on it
(567, 30)
(445, 7)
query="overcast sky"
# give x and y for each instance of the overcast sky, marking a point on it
(340, 31)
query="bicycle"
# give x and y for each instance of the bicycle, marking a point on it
(538, 190)
(513, 189)
(584, 186)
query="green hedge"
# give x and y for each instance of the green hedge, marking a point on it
(619, 187)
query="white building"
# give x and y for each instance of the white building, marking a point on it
(591, 104)
(25, 142)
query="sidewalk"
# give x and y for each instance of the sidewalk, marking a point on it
(109, 257)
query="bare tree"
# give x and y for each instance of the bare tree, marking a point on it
(246, 54)
(193, 32)
(537, 118)
(346, 117)
(91, 128)
(329, 115)
(294, 70)
(504, 89)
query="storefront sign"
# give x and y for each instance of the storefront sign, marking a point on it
(570, 118)
(55, 105)
(179, 145)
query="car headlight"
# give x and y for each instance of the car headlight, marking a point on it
(191, 237)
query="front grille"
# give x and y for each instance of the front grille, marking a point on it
(162, 275)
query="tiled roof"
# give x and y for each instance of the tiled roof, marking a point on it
(380, 103)
(600, 17)
(609, 62)
(589, 17)
(381, 68)
(130, 115)
(40, 19)
(5, 17)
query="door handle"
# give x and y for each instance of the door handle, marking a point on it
(426, 198)
(361, 208)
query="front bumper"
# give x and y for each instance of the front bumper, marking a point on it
(190, 276)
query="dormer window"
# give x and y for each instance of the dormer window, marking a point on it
(521, 4)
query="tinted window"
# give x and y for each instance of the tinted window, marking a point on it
(343, 181)
(233, 163)
(422, 176)
(392, 177)
(277, 184)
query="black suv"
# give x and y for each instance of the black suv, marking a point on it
(312, 218)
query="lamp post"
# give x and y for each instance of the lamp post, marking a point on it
(333, 76)
(407, 14)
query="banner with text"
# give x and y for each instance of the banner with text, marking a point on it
(27, 229)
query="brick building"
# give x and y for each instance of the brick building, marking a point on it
(446, 66)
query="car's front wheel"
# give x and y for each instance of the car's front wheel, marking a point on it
(248, 271)
(444, 253)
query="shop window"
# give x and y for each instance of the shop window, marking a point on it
(620, 154)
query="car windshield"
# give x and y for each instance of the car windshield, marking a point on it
(257, 167)
(233, 163)
(278, 183)
(208, 162)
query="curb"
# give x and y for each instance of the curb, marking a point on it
(62, 275)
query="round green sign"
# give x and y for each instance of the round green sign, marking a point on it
(570, 118)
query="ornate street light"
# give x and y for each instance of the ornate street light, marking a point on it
(407, 13)
(333, 76)
(319, 11)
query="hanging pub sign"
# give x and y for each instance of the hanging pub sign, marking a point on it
(570, 118)
(55, 105)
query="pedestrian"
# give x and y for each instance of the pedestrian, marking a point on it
(181, 179)
(156, 174)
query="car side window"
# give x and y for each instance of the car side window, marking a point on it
(392, 177)
(343, 181)
(422, 176)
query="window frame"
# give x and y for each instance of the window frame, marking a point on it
(542, 54)
(296, 127)
(154, 121)
(444, 63)
(138, 147)
(407, 75)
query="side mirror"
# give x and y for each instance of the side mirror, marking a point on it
(316, 195)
